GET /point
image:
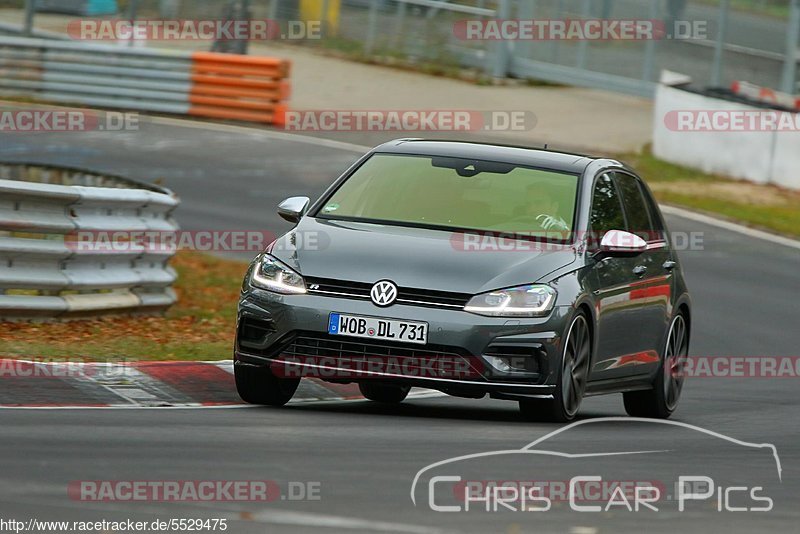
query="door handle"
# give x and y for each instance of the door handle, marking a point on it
(640, 270)
(669, 265)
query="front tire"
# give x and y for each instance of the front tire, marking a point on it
(572, 378)
(385, 393)
(661, 401)
(257, 385)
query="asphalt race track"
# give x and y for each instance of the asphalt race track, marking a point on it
(364, 457)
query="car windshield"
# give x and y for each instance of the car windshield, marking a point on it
(464, 194)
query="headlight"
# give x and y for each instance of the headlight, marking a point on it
(522, 301)
(273, 275)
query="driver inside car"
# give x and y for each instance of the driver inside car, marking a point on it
(542, 211)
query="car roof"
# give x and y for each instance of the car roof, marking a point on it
(547, 159)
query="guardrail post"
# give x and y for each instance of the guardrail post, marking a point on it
(555, 44)
(133, 7)
(719, 47)
(650, 47)
(30, 10)
(502, 54)
(369, 44)
(241, 46)
(580, 58)
(273, 10)
(323, 17)
(526, 10)
(399, 25)
(788, 77)
(169, 9)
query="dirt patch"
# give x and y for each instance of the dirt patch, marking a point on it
(738, 192)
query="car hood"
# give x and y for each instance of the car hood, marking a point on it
(415, 257)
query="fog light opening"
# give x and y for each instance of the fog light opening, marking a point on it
(499, 364)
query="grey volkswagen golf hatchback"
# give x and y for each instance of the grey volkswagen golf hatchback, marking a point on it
(472, 269)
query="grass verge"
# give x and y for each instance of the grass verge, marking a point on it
(766, 207)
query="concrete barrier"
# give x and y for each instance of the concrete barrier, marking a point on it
(763, 156)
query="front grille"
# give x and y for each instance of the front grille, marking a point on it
(352, 355)
(405, 295)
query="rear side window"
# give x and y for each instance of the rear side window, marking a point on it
(637, 211)
(655, 214)
(606, 209)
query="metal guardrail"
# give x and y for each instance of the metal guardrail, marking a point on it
(225, 86)
(704, 46)
(45, 273)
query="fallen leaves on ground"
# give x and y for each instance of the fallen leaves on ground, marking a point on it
(204, 316)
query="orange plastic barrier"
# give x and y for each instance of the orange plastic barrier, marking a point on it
(236, 87)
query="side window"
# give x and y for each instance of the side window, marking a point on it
(655, 214)
(606, 211)
(636, 209)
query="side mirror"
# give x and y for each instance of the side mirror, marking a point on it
(292, 209)
(620, 243)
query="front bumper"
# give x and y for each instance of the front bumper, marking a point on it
(271, 327)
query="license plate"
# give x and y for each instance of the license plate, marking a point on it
(376, 328)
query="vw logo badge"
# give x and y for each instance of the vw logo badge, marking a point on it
(383, 293)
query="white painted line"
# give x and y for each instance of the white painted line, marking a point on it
(128, 383)
(345, 523)
(732, 226)
(252, 130)
(135, 394)
(225, 365)
(112, 374)
(423, 394)
(132, 407)
(219, 127)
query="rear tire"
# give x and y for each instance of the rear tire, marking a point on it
(572, 378)
(385, 393)
(661, 401)
(257, 385)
